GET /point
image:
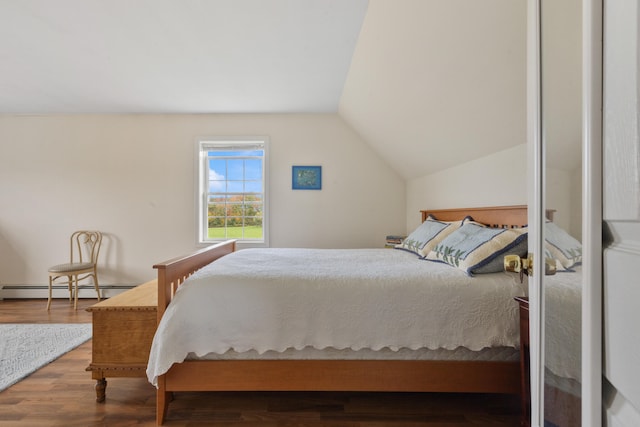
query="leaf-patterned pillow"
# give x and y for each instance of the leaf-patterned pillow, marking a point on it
(476, 249)
(427, 235)
(562, 246)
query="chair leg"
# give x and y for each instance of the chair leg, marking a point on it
(50, 290)
(70, 286)
(75, 300)
(96, 285)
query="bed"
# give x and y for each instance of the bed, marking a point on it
(563, 309)
(382, 367)
(563, 347)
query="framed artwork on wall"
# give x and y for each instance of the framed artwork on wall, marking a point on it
(306, 177)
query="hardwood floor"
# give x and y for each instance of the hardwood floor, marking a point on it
(62, 394)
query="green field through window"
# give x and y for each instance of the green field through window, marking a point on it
(250, 232)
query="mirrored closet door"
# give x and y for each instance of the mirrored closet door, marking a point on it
(565, 139)
(561, 134)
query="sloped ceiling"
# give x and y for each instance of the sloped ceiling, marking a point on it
(427, 83)
(434, 84)
(175, 56)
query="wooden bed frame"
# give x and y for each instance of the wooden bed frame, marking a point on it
(332, 375)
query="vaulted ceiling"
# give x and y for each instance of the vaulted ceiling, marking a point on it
(427, 83)
(168, 56)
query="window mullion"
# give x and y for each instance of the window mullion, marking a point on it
(234, 197)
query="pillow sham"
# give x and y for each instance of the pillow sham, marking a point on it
(562, 246)
(476, 249)
(422, 240)
(550, 258)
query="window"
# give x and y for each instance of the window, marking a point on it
(232, 190)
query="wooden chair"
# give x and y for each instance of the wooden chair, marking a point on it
(85, 246)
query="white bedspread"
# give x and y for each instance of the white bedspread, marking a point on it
(563, 312)
(275, 299)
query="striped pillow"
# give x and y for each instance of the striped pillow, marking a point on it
(562, 246)
(476, 249)
(428, 234)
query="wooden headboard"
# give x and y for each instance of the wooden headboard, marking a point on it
(495, 216)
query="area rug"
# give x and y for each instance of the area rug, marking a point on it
(25, 348)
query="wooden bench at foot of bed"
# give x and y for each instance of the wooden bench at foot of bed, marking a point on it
(331, 375)
(123, 329)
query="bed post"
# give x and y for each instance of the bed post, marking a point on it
(173, 272)
(162, 400)
(170, 275)
(164, 293)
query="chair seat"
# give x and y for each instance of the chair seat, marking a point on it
(82, 265)
(75, 266)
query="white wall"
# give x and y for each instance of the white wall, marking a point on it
(563, 193)
(561, 51)
(434, 83)
(132, 176)
(493, 180)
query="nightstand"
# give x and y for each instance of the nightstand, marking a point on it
(524, 361)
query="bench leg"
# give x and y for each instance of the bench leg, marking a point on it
(101, 390)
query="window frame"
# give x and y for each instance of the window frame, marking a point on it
(202, 187)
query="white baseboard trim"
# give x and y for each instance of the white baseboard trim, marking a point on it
(59, 291)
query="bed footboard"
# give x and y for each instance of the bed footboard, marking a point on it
(174, 272)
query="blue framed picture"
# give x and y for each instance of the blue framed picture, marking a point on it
(306, 177)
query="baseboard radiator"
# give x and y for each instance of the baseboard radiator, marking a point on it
(59, 291)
